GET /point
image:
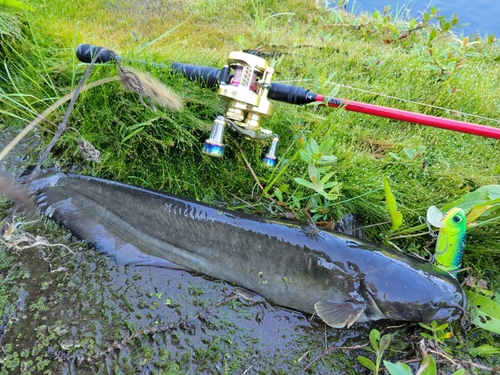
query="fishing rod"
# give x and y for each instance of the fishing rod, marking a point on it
(245, 83)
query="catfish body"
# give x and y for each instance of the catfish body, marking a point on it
(343, 279)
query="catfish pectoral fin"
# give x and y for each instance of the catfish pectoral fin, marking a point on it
(340, 314)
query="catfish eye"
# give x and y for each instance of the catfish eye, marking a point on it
(457, 219)
(435, 304)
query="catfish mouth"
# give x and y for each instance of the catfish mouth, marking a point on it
(447, 314)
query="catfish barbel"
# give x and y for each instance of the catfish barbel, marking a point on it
(342, 279)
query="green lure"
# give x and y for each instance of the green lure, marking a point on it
(450, 244)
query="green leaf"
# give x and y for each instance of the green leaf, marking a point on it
(394, 156)
(313, 173)
(368, 363)
(432, 35)
(327, 159)
(484, 312)
(326, 146)
(396, 216)
(313, 146)
(398, 368)
(442, 327)
(374, 338)
(484, 350)
(430, 366)
(426, 336)
(410, 152)
(284, 188)
(15, 4)
(304, 182)
(423, 325)
(432, 67)
(384, 342)
(474, 54)
(278, 194)
(483, 194)
(459, 372)
(481, 208)
(326, 177)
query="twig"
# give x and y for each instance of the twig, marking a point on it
(250, 367)
(493, 371)
(250, 168)
(408, 236)
(442, 355)
(242, 200)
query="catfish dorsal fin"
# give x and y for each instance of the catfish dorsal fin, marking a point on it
(339, 314)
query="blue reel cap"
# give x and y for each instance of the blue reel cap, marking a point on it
(213, 149)
(270, 157)
(270, 160)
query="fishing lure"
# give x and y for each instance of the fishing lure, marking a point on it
(450, 244)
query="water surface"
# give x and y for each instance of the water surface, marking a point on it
(482, 15)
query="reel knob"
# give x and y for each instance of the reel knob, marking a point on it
(270, 157)
(213, 146)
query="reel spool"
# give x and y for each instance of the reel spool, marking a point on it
(244, 84)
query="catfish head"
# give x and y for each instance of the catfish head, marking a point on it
(422, 296)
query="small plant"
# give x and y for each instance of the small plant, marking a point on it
(449, 59)
(438, 332)
(322, 80)
(379, 345)
(410, 153)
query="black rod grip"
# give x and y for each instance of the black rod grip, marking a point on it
(205, 75)
(85, 53)
(290, 94)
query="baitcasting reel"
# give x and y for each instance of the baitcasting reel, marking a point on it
(244, 83)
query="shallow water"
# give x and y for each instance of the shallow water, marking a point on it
(481, 15)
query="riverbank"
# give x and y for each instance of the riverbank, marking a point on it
(68, 309)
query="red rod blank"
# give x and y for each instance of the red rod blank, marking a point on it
(417, 118)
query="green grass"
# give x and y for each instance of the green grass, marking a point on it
(162, 150)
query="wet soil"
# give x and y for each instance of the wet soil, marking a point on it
(84, 313)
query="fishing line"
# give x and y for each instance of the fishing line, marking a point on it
(397, 98)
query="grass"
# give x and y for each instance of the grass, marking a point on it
(162, 150)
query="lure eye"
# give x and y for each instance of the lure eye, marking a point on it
(457, 219)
